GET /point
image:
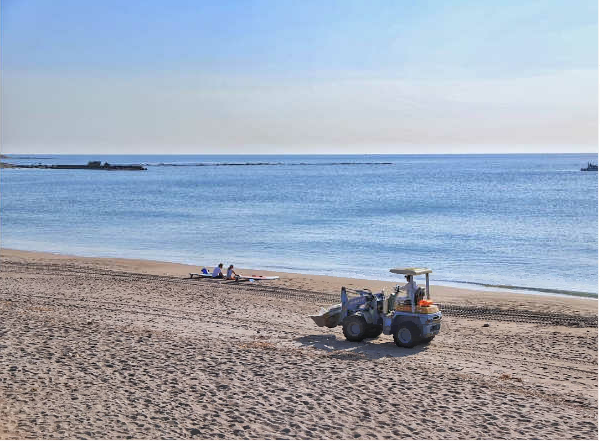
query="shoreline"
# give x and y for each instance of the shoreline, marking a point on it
(462, 285)
(485, 297)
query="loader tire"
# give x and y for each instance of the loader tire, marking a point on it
(354, 328)
(407, 335)
(373, 332)
(427, 340)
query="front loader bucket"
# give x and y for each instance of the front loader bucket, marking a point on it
(319, 320)
(329, 318)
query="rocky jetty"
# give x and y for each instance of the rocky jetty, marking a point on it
(92, 165)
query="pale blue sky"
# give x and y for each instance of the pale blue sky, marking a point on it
(299, 77)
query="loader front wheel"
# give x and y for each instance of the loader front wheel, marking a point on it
(354, 328)
(406, 336)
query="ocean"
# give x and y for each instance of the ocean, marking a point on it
(523, 221)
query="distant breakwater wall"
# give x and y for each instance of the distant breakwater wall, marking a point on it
(96, 165)
(231, 164)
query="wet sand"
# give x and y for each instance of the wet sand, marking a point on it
(117, 348)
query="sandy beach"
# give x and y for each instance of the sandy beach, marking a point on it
(114, 348)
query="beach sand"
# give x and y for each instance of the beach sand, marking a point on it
(118, 348)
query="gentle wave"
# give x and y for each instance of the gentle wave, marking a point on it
(526, 288)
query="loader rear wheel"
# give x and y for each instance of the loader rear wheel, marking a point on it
(354, 328)
(373, 332)
(406, 336)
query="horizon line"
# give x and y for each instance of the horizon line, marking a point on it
(300, 154)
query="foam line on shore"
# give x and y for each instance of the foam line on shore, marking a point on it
(526, 288)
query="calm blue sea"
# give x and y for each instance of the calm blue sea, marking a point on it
(520, 220)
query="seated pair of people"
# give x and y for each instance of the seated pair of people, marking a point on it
(218, 272)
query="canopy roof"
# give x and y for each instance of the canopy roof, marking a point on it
(411, 271)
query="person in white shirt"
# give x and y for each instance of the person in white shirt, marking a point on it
(218, 272)
(411, 288)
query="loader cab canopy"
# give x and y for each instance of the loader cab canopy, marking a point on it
(415, 272)
(411, 271)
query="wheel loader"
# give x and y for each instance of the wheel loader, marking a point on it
(410, 318)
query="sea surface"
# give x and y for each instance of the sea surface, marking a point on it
(527, 221)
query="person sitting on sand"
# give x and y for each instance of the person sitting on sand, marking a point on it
(218, 272)
(231, 274)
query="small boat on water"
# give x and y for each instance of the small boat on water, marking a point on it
(590, 167)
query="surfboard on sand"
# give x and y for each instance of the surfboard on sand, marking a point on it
(257, 277)
(200, 276)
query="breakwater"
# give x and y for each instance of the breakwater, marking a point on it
(92, 165)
